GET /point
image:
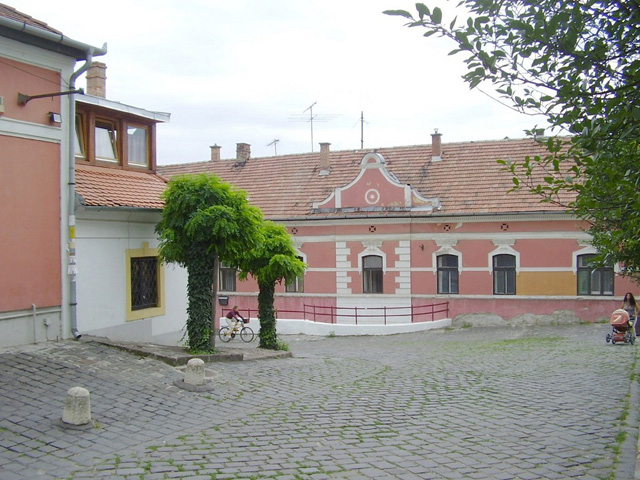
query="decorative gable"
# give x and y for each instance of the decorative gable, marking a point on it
(375, 189)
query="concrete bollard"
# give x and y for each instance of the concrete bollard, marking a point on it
(194, 374)
(77, 407)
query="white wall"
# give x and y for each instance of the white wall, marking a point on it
(102, 239)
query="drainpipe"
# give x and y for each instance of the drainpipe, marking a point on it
(72, 267)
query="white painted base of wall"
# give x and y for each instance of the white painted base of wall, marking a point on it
(305, 327)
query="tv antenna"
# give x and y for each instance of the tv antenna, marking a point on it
(311, 118)
(275, 146)
(362, 122)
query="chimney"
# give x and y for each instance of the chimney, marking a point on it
(436, 146)
(243, 152)
(97, 80)
(325, 165)
(215, 153)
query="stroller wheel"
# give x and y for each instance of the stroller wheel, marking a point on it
(608, 337)
(613, 342)
(632, 339)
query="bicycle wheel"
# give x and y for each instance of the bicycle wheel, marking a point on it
(246, 334)
(224, 334)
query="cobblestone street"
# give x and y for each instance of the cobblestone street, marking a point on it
(477, 403)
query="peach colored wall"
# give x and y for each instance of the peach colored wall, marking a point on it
(547, 253)
(30, 220)
(23, 78)
(546, 283)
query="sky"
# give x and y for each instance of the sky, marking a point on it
(248, 71)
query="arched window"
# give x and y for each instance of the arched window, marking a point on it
(447, 274)
(372, 274)
(504, 274)
(593, 281)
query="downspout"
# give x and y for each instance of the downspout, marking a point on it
(72, 267)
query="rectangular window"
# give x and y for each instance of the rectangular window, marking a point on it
(106, 137)
(296, 284)
(144, 282)
(504, 275)
(594, 281)
(138, 146)
(372, 274)
(80, 140)
(227, 278)
(447, 274)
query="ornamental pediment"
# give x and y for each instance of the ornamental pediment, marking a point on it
(376, 189)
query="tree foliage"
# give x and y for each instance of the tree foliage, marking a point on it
(576, 62)
(204, 220)
(273, 260)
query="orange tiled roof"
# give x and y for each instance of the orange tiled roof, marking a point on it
(468, 180)
(111, 187)
(13, 14)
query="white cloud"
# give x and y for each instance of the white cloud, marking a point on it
(238, 71)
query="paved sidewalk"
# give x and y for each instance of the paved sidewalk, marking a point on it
(481, 403)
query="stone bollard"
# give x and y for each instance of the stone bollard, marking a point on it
(194, 374)
(77, 407)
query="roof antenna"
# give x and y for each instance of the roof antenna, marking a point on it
(311, 118)
(275, 146)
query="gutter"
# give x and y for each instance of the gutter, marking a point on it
(22, 28)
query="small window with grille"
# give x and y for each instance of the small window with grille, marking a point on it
(145, 295)
(144, 282)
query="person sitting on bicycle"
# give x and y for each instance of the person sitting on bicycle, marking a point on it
(233, 316)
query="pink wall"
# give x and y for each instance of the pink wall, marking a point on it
(30, 220)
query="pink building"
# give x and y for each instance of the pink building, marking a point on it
(405, 227)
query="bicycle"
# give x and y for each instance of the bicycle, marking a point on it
(239, 328)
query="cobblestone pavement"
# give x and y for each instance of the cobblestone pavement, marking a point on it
(481, 403)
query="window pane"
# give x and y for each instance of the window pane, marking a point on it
(227, 279)
(448, 261)
(106, 143)
(137, 143)
(79, 143)
(447, 274)
(504, 274)
(144, 282)
(584, 282)
(372, 261)
(607, 281)
(592, 281)
(504, 261)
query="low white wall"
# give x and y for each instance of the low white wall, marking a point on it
(306, 327)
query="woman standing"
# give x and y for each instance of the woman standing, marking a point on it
(631, 307)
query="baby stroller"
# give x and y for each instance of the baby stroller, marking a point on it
(623, 328)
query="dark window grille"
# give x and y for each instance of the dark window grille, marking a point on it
(372, 274)
(504, 275)
(144, 282)
(447, 274)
